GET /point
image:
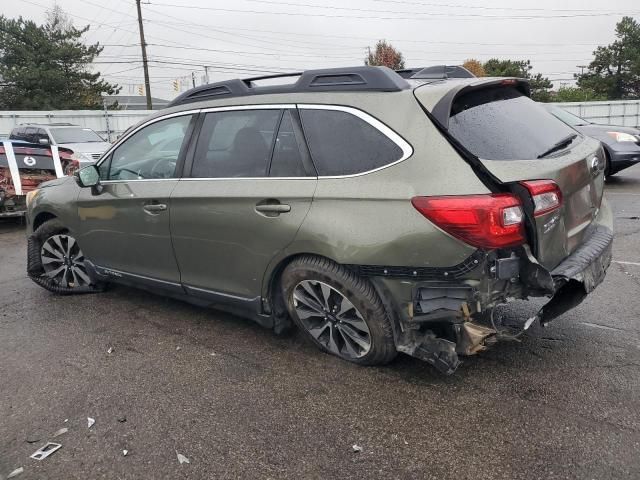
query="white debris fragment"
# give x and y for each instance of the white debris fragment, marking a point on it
(66, 420)
(213, 354)
(46, 450)
(110, 350)
(90, 422)
(181, 458)
(178, 348)
(61, 432)
(124, 452)
(16, 472)
(357, 448)
(405, 442)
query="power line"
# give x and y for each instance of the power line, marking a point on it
(414, 15)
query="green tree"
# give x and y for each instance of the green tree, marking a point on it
(45, 67)
(385, 55)
(576, 94)
(540, 86)
(615, 69)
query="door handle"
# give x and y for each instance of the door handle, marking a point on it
(155, 207)
(271, 208)
(277, 208)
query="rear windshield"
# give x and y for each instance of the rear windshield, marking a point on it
(75, 135)
(504, 124)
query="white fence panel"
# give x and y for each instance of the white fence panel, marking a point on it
(110, 126)
(618, 112)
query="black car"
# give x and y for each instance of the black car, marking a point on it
(621, 144)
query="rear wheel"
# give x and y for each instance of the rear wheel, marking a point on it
(56, 262)
(339, 312)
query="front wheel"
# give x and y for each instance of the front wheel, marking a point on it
(56, 262)
(339, 312)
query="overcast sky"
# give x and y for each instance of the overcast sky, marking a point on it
(243, 38)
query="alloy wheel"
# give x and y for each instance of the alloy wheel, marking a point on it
(63, 262)
(331, 319)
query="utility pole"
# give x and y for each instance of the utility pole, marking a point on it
(145, 66)
(206, 74)
(193, 79)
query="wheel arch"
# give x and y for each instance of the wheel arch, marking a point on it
(41, 218)
(273, 294)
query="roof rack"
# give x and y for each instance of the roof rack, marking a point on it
(363, 78)
(439, 72)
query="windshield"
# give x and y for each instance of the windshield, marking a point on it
(566, 117)
(74, 135)
(499, 123)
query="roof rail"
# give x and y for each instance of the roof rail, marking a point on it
(441, 72)
(362, 78)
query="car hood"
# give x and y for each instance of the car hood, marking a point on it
(89, 147)
(56, 181)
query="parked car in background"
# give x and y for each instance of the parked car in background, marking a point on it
(24, 166)
(87, 146)
(621, 144)
(379, 214)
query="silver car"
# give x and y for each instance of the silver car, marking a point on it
(86, 144)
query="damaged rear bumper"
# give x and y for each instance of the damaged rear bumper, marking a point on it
(579, 274)
(442, 320)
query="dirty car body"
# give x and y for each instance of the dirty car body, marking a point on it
(380, 214)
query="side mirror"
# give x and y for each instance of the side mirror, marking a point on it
(89, 176)
(43, 141)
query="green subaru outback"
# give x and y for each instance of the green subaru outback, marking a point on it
(376, 213)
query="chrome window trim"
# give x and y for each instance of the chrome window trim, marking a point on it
(407, 149)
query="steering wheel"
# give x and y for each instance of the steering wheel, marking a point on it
(163, 168)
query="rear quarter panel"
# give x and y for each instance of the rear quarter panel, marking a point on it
(369, 219)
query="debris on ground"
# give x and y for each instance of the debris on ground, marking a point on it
(16, 472)
(182, 459)
(357, 448)
(110, 350)
(46, 450)
(124, 452)
(122, 419)
(213, 354)
(90, 422)
(66, 420)
(178, 348)
(61, 432)
(33, 438)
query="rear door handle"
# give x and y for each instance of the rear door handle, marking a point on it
(273, 208)
(155, 207)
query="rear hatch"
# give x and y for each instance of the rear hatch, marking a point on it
(517, 140)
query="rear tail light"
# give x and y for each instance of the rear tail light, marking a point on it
(483, 221)
(546, 195)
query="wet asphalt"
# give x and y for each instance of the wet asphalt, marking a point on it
(239, 402)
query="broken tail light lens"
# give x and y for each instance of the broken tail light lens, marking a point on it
(546, 196)
(483, 221)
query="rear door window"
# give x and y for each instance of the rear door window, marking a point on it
(344, 144)
(236, 144)
(501, 123)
